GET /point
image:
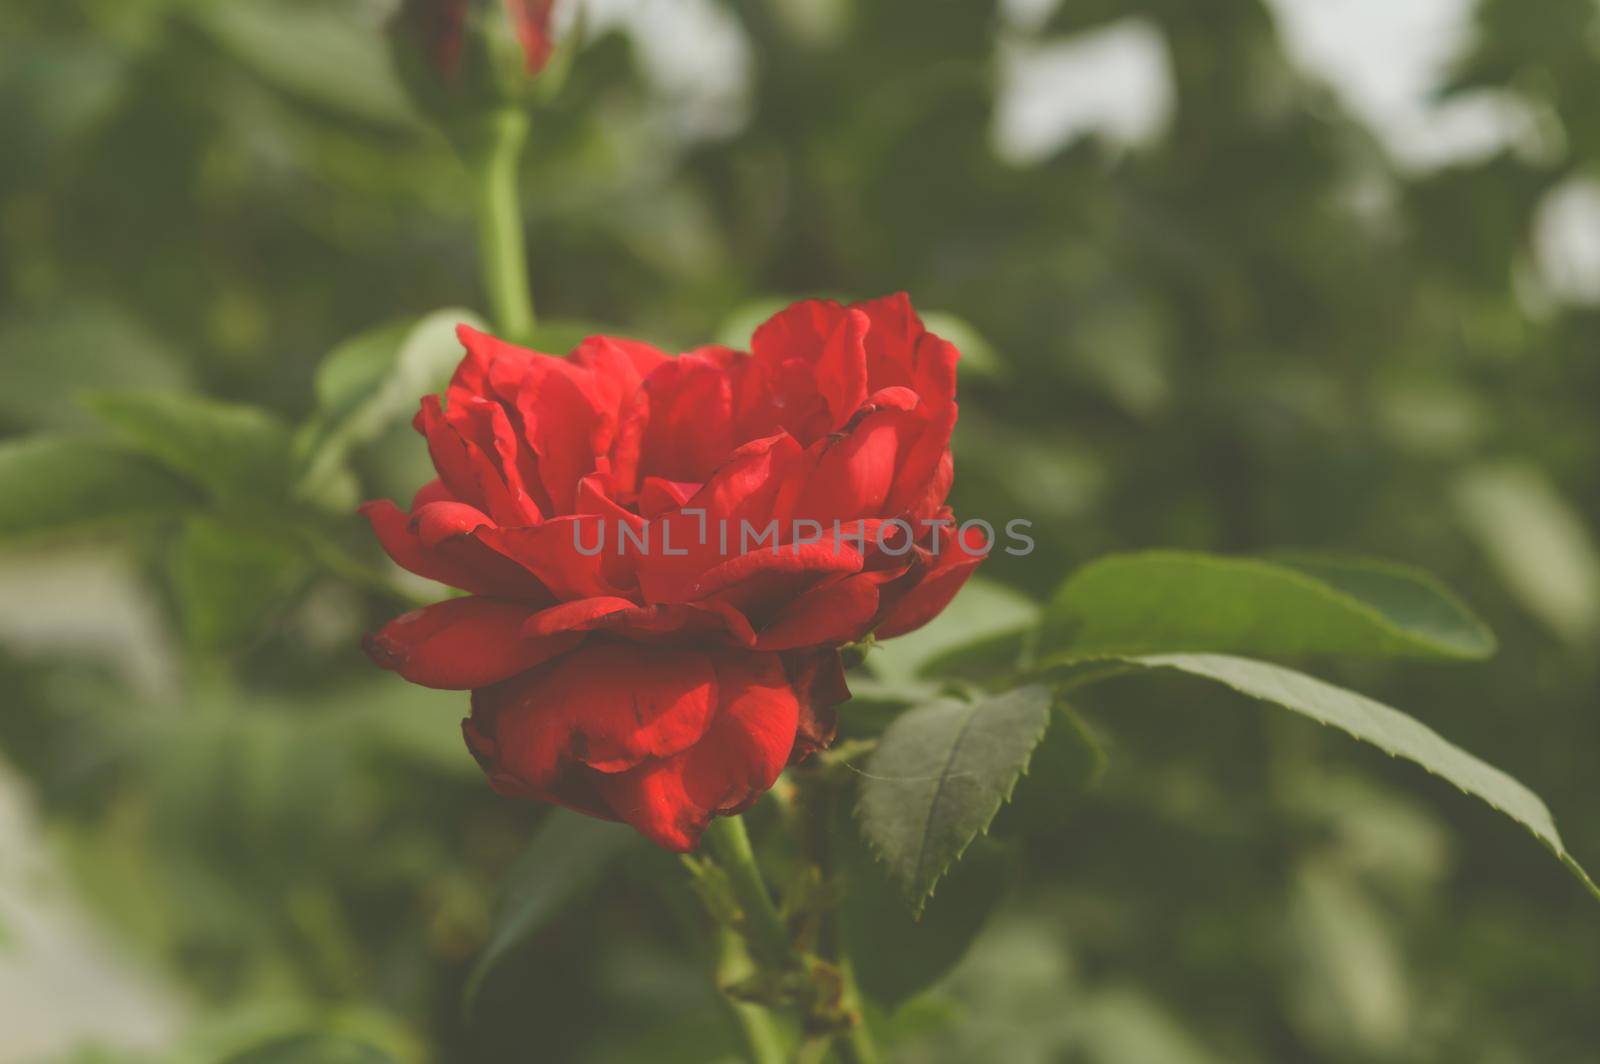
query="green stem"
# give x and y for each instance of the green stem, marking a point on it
(502, 251)
(854, 1044)
(769, 939)
(762, 1041)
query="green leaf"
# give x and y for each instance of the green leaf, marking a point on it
(230, 580)
(371, 381)
(50, 484)
(897, 956)
(317, 52)
(56, 352)
(565, 856)
(1163, 601)
(939, 776)
(323, 1048)
(235, 452)
(1375, 723)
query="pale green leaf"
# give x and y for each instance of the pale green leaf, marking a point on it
(335, 58)
(1539, 543)
(1161, 601)
(232, 450)
(50, 484)
(371, 381)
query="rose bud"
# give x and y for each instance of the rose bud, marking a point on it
(664, 556)
(468, 57)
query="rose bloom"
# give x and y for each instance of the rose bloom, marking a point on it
(657, 590)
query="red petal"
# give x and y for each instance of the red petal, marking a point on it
(462, 643)
(853, 475)
(581, 615)
(461, 561)
(738, 759)
(700, 411)
(707, 532)
(814, 350)
(436, 522)
(608, 705)
(839, 611)
(923, 481)
(932, 592)
(575, 557)
(532, 21)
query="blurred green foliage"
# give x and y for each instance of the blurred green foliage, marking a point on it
(1255, 332)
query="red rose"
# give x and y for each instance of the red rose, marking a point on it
(632, 654)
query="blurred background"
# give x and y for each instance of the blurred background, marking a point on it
(1233, 275)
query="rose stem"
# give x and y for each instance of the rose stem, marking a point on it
(769, 939)
(854, 1045)
(761, 1038)
(729, 962)
(502, 252)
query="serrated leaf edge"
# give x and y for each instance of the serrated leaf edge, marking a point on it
(919, 903)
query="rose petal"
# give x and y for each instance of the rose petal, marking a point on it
(932, 591)
(814, 350)
(738, 759)
(461, 561)
(835, 612)
(462, 643)
(608, 705)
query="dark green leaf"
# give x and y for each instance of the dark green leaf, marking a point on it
(1375, 723)
(49, 484)
(939, 776)
(565, 856)
(234, 451)
(896, 955)
(1164, 601)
